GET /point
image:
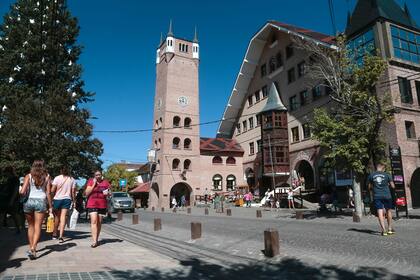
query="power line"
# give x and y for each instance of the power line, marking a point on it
(332, 16)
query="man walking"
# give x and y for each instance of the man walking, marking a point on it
(380, 193)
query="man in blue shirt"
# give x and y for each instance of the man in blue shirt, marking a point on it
(380, 193)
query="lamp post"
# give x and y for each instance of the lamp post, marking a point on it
(151, 160)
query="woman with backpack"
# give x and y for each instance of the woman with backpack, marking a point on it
(36, 197)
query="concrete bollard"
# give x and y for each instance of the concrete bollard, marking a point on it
(157, 224)
(356, 218)
(228, 212)
(163, 209)
(195, 230)
(271, 243)
(173, 210)
(153, 208)
(119, 216)
(135, 218)
(206, 211)
(259, 214)
(299, 215)
(188, 210)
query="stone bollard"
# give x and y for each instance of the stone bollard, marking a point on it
(206, 211)
(119, 216)
(153, 208)
(195, 230)
(228, 212)
(356, 218)
(135, 219)
(259, 214)
(188, 210)
(299, 215)
(271, 243)
(163, 209)
(158, 224)
(173, 210)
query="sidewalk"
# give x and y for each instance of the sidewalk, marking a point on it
(75, 255)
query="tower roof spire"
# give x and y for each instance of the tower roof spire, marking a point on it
(170, 33)
(161, 39)
(195, 40)
(273, 102)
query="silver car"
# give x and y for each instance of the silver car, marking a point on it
(121, 201)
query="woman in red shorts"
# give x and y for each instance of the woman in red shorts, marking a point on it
(97, 191)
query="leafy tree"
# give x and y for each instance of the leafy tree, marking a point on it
(43, 101)
(116, 172)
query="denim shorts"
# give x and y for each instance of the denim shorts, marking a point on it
(35, 205)
(383, 203)
(62, 203)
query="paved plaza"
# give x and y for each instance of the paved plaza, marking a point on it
(318, 247)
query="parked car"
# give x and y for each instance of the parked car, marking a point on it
(121, 201)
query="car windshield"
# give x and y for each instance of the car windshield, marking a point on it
(120, 195)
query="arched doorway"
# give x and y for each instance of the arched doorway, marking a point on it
(304, 170)
(415, 188)
(154, 195)
(178, 190)
(250, 177)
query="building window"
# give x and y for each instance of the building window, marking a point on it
(418, 91)
(156, 124)
(244, 125)
(406, 44)
(272, 64)
(316, 92)
(289, 51)
(259, 146)
(187, 123)
(258, 120)
(251, 148)
(279, 60)
(361, 45)
(301, 69)
(231, 161)
(176, 121)
(217, 182)
(175, 143)
(291, 75)
(250, 100)
(175, 164)
(306, 130)
(257, 96)
(304, 97)
(217, 160)
(294, 104)
(410, 130)
(277, 120)
(295, 134)
(187, 164)
(263, 70)
(238, 128)
(264, 91)
(230, 182)
(251, 123)
(405, 90)
(187, 144)
(268, 121)
(156, 144)
(279, 154)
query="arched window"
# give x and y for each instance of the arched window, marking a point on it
(175, 143)
(156, 144)
(160, 122)
(187, 164)
(176, 121)
(187, 123)
(231, 160)
(230, 182)
(187, 144)
(157, 166)
(175, 164)
(217, 160)
(156, 124)
(217, 182)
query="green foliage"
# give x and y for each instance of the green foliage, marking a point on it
(41, 86)
(117, 172)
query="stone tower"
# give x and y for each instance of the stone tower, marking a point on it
(176, 135)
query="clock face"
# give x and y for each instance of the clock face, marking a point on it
(183, 101)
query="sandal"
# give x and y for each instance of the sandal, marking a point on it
(391, 231)
(61, 240)
(94, 245)
(384, 233)
(31, 254)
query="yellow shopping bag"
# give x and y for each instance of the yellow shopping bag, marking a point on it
(50, 224)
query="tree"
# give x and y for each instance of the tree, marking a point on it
(349, 129)
(116, 172)
(44, 113)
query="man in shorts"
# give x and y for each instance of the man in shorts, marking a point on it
(380, 193)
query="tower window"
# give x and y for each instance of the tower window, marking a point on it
(230, 160)
(175, 143)
(259, 146)
(217, 160)
(176, 121)
(187, 123)
(187, 144)
(405, 90)
(175, 164)
(295, 134)
(187, 164)
(251, 148)
(410, 130)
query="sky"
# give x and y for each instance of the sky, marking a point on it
(120, 38)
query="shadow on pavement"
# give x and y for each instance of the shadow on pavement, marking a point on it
(286, 269)
(368, 231)
(109, 240)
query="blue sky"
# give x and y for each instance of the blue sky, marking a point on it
(120, 40)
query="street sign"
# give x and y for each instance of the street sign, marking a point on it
(398, 178)
(123, 183)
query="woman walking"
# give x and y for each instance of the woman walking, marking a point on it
(36, 187)
(64, 189)
(97, 190)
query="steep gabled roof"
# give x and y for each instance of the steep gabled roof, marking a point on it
(219, 145)
(250, 62)
(273, 102)
(367, 12)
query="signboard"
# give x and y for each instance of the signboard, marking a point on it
(398, 177)
(343, 178)
(123, 183)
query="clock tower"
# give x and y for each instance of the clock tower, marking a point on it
(176, 134)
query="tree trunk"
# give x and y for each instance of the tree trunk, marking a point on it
(358, 203)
